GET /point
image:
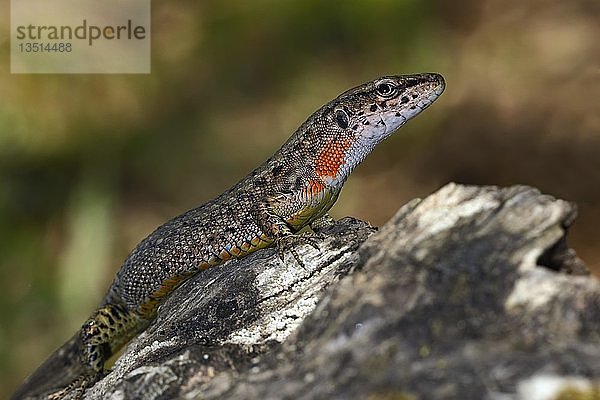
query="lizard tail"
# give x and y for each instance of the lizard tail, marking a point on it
(57, 372)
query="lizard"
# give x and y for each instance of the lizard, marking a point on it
(291, 190)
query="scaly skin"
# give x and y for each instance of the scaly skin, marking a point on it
(292, 189)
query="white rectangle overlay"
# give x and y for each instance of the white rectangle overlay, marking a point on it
(80, 37)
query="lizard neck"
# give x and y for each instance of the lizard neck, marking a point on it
(338, 158)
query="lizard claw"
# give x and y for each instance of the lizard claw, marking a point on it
(311, 239)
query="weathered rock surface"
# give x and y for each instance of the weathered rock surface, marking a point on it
(471, 293)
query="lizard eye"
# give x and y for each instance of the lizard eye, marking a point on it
(341, 118)
(386, 89)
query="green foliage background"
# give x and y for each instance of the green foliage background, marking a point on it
(91, 164)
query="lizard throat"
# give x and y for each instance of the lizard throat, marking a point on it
(332, 159)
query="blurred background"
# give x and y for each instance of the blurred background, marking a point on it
(90, 164)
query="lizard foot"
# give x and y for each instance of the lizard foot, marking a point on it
(326, 221)
(289, 244)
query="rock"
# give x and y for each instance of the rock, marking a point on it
(471, 293)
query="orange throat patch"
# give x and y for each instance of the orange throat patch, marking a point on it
(331, 158)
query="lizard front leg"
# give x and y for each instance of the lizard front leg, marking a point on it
(272, 216)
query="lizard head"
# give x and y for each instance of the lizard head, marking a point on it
(360, 118)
